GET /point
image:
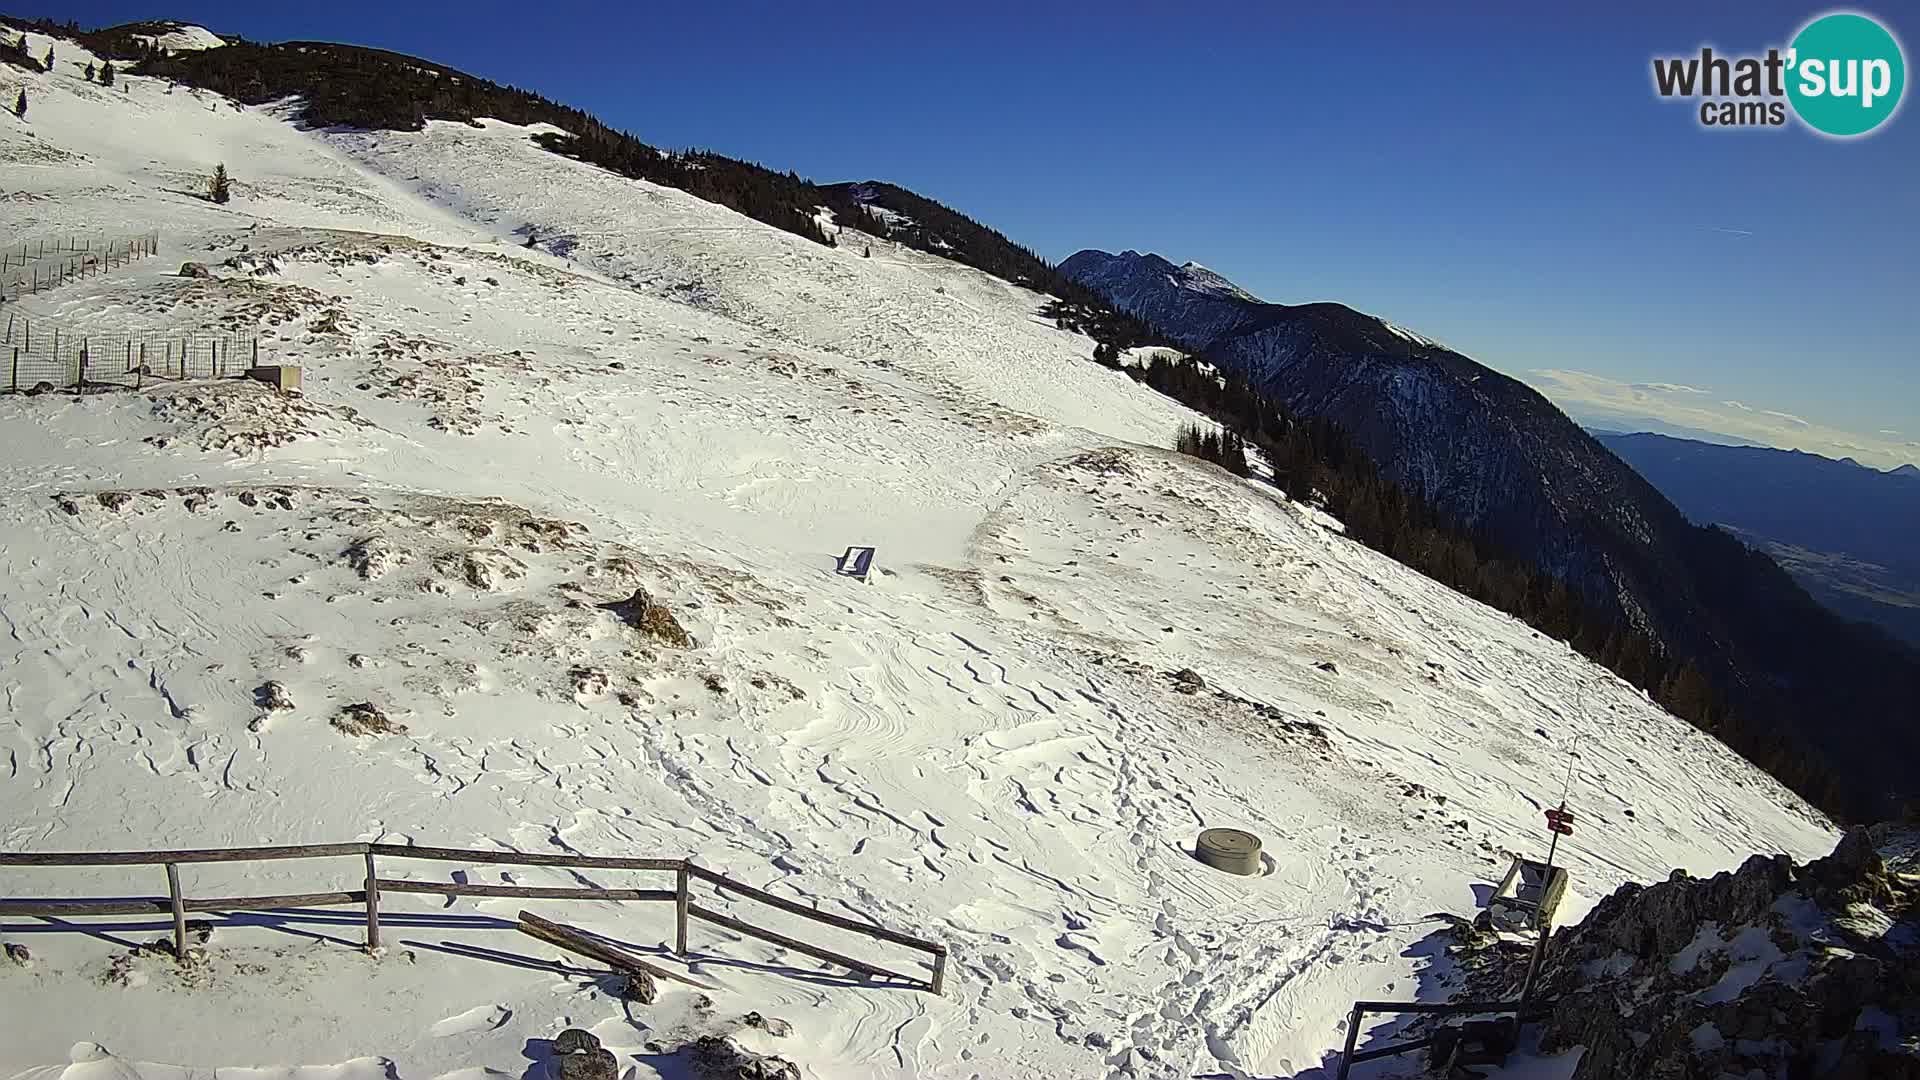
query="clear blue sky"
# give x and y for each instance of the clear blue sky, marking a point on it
(1503, 180)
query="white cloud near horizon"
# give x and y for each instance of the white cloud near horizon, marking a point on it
(1598, 396)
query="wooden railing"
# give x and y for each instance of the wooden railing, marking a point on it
(681, 895)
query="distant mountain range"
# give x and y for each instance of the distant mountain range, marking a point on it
(1849, 533)
(1508, 465)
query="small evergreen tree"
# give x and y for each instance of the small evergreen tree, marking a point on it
(89, 71)
(106, 73)
(20, 104)
(48, 62)
(219, 189)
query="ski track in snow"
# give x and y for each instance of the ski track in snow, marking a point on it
(984, 744)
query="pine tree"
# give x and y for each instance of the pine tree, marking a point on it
(106, 73)
(219, 188)
(48, 62)
(89, 70)
(20, 104)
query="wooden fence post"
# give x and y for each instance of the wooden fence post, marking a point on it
(939, 971)
(16, 367)
(179, 913)
(373, 907)
(682, 895)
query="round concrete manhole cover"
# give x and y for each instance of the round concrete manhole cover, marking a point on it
(1231, 850)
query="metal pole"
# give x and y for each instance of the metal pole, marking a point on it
(1353, 1037)
(1539, 918)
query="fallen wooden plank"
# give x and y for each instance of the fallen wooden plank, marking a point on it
(577, 941)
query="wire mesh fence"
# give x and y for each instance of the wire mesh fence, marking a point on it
(30, 266)
(36, 356)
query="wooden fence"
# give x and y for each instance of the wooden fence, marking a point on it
(36, 353)
(685, 872)
(32, 266)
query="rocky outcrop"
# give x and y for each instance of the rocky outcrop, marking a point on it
(653, 619)
(1804, 971)
(716, 1057)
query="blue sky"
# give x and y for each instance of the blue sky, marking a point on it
(1504, 180)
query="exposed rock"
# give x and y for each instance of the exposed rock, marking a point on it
(114, 500)
(195, 270)
(575, 1040)
(1188, 681)
(594, 1064)
(373, 556)
(654, 620)
(588, 682)
(717, 1057)
(366, 718)
(273, 696)
(640, 988)
(18, 953)
(1771, 970)
(772, 1025)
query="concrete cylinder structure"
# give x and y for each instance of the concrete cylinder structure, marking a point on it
(1229, 850)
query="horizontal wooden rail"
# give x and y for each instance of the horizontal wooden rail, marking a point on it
(535, 892)
(684, 869)
(161, 905)
(521, 858)
(727, 884)
(785, 942)
(145, 858)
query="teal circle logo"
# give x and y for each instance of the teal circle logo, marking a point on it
(1845, 74)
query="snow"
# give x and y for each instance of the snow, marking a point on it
(1410, 335)
(183, 37)
(983, 745)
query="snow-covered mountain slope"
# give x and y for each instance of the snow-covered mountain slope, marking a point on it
(986, 745)
(179, 36)
(1495, 456)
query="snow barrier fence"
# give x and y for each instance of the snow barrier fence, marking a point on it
(688, 907)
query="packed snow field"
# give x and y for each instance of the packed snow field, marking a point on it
(986, 745)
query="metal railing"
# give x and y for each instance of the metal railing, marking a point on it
(685, 871)
(1349, 1056)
